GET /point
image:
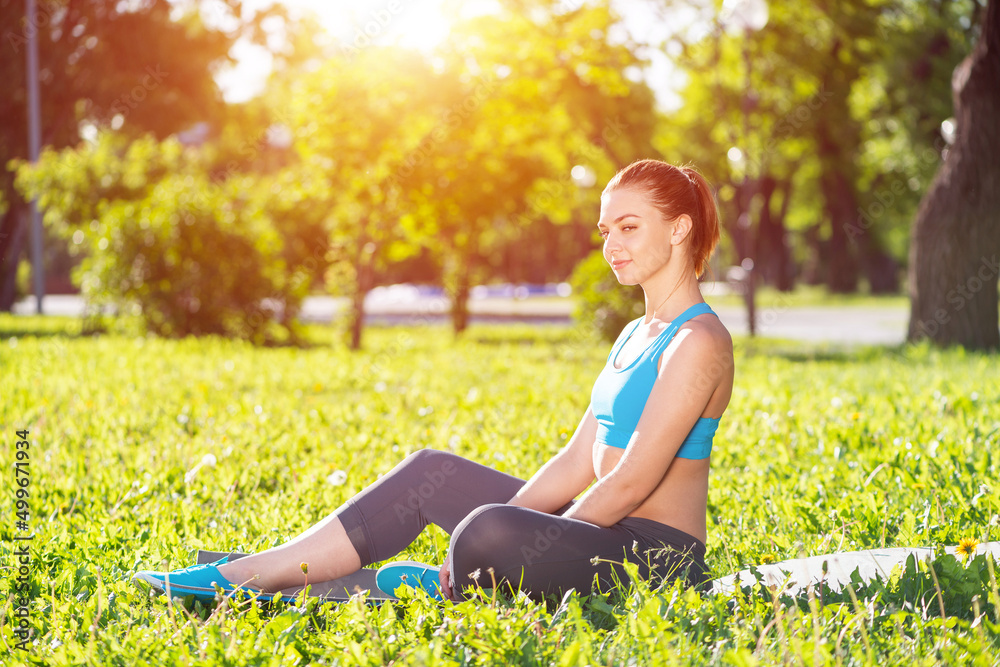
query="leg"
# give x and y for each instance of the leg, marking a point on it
(427, 487)
(324, 546)
(544, 553)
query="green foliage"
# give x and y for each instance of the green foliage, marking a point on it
(859, 96)
(820, 451)
(135, 67)
(190, 255)
(602, 304)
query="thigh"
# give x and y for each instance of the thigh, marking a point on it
(539, 553)
(431, 486)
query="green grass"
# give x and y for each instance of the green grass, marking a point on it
(821, 450)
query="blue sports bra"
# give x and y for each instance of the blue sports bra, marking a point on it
(620, 394)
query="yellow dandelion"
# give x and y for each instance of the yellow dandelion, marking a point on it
(768, 558)
(967, 547)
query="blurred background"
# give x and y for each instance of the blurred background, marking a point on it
(237, 168)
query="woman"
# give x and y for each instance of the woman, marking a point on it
(642, 447)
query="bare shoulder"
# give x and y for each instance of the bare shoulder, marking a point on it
(706, 334)
(702, 344)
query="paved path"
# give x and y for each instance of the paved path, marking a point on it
(835, 324)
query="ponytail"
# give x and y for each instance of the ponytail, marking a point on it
(706, 234)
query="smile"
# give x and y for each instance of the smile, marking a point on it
(619, 264)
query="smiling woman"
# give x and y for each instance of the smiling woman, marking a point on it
(630, 485)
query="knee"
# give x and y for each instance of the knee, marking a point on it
(433, 460)
(427, 470)
(484, 525)
(482, 541)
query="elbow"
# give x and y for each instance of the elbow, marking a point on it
(630, 496)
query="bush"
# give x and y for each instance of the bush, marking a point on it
(187, 254)
(193, 263)
(601, 301)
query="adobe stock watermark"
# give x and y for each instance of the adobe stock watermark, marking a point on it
(790, 121)
(560, 189)
(46, 15)
(544, 539)
(127, 102)
(272, 307)
(768, 316)
(450, 120)
(377, 23)
(985, 274)
(886, 197)
(424, 314)
(416, 496)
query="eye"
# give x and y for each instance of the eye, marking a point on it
(626, 228)
(603, 233)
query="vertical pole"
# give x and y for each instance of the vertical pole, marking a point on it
(34, 147)
(749, 189)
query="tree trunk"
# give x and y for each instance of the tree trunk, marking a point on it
(812, 269)
(12, 232)
(838, 140)
(955, 248)
(880, 268)
(363, 284)
(841, 204)
(772, 257)
(460, 298)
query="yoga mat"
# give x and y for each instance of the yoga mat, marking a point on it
(796, 575)
(335, 590)
(792, 577)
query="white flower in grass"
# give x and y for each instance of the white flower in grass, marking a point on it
(207, 460)
(337, 477)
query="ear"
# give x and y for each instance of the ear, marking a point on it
(682, 228)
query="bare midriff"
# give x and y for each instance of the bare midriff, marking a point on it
(679, 500)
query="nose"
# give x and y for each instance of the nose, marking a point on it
(612, 244)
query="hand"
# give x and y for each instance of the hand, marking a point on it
(444, 577)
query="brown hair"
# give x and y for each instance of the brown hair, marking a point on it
(675, 191)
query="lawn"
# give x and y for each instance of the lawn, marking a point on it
(144, 450)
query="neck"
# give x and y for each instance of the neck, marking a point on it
(670, 294)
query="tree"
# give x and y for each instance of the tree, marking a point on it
(534, 93)
(135, 66)
(355, 122)
(954, 262)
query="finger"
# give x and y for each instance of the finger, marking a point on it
(443, 580)
(446, 584)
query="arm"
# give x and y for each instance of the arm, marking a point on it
(565, 475)
(684, 384)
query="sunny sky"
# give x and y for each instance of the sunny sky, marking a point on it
(420, 24)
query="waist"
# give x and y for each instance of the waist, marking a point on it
(650, 532)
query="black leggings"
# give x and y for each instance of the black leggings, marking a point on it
(533, 551)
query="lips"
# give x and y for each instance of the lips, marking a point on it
(619, 264)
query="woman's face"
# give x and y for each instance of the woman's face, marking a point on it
(637, 241)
